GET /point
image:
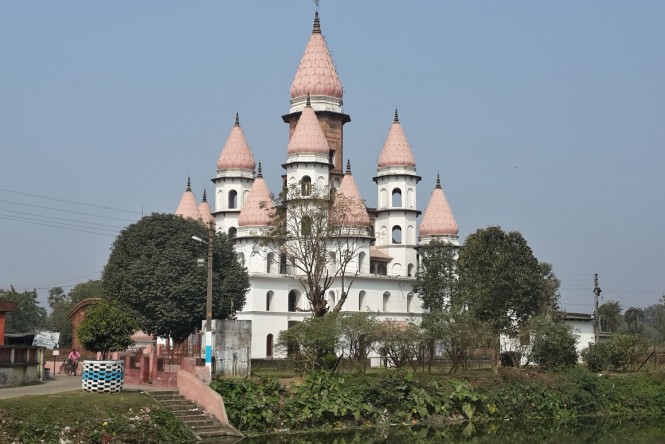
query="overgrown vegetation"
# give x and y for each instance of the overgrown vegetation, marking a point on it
(397, 397)
(91, 418)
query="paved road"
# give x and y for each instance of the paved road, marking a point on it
(61, 383)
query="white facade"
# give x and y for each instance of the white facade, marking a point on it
(386, 262)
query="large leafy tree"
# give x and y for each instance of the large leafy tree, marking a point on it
(107, 327)
(436, 279)
(29, 316)
(500, 280)
(153, 270)
(654, 322)
(316, 230)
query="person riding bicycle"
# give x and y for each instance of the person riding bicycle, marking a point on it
(73, 359)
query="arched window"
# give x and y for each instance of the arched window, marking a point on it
(397, 198)
(383, 198)
(381, 269)
(233, 199)
(409, 270)
(270, 261)
(244, 196)
(269, 297)
(410, 235)
(410, 198)
(397, 234)
(269, 341)
(331, 300)
(397, 269)
(282, 263)
(409, 301)
(361, 261)
(241, 258)
(233, 231)
(386, 300)
(306, 226)
(294, 301)
(305, 186)
(361, 300)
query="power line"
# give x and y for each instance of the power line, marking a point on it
(70, 201)
(60, 218)
(67, 211)
(28, 221)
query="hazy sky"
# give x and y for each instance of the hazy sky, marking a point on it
(543, 117)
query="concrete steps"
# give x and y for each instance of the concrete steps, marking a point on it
(206, 428)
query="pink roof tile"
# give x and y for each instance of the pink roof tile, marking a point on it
(308, 137)
(236, 152)
(316, 73)
(187, 207)
(396, 150)
(438, 219)
(204, 210)
(348, 195)
(257, 208)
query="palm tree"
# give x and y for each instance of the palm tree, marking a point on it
(610, 315)
(632, 316)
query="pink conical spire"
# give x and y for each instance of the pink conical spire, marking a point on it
(396, 150)
(236, 152)
(257, 208)
(438, 219)
(308, 137)
(204, 210)
(349, 203)
(187, 207)
(316, 73)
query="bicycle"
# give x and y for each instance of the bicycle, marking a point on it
(69, 368)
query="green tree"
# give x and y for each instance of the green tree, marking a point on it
(319, 233)
(552, 343)
(312, 343)
(29, 315)
(153, 270)
(85, 290)
(56, 295)
(436, 281)
(500, 281)
(550, 301)
(633, 316)
(358, 333)
(617, 353)
(107, 327)
(610, 316)
(654, 323)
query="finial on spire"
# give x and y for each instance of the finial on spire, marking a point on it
(237, 120)
(438, 181)
(308, 103)
(396, 120)
(348, 166)
(317, 23)
(189, 185)
(260, 173)
(205, 199)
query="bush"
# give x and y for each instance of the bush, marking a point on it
(552, 343)
(617, 353)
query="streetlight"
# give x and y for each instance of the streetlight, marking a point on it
(208, 331)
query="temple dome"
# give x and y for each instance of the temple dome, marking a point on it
(396, 150)
(236, 153)
(438, 219)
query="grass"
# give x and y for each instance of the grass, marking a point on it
(73, 417)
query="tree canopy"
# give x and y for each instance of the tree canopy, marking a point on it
(500, 279)
(153, 270)
(107, 327)
(610, 316)
(29, 316)
(84, 290)
(436, 279)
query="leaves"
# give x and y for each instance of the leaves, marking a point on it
(153, 270)
(107, 327)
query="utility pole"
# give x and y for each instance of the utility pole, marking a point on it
(208, 333)
(596, 319)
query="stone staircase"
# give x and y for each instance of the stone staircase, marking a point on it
(206, 428)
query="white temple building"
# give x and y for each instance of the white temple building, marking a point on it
(387, 257)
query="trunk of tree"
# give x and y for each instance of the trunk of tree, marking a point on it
(496, 352)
